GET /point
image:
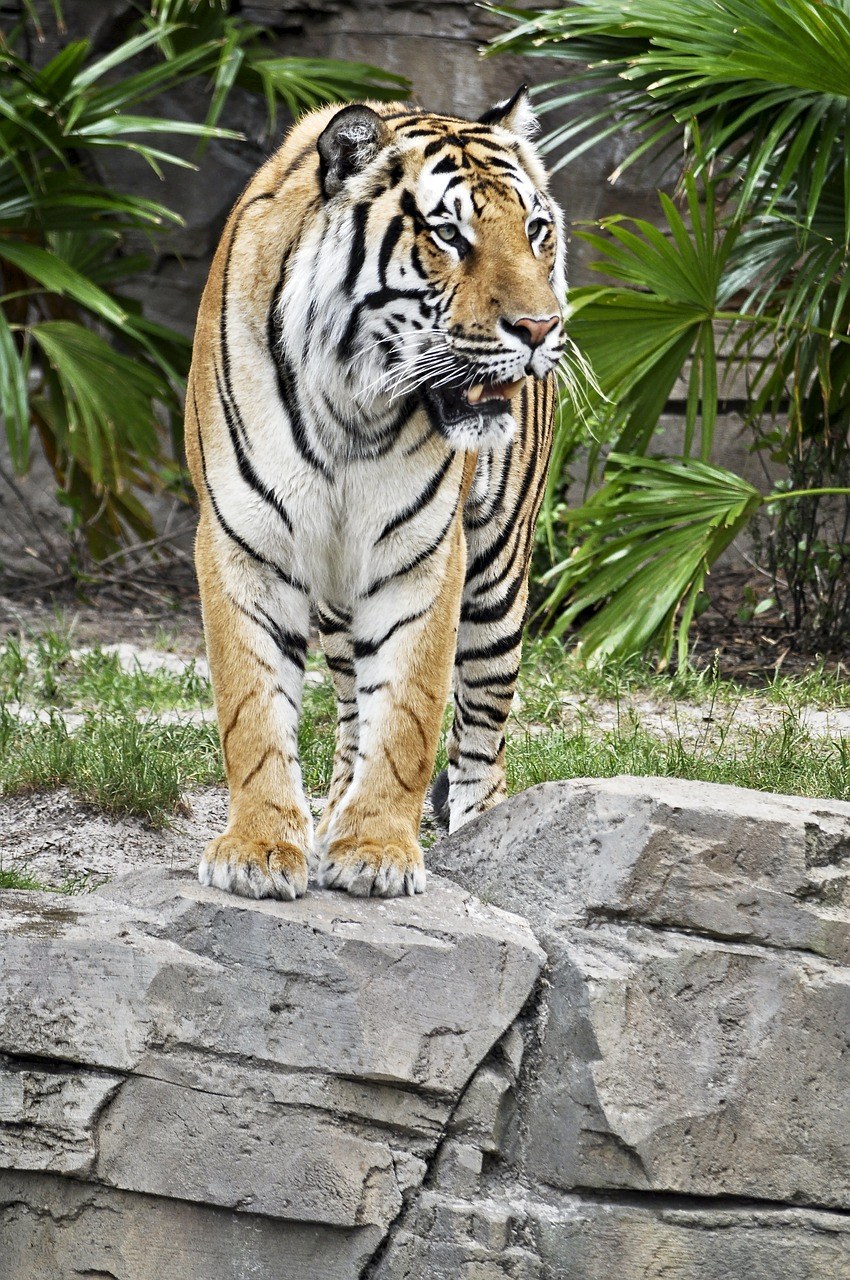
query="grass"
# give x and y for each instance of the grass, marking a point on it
(786, 759)
(115, 762)
(549, 675)
(49, 672)
(13, 879)
(123, 760)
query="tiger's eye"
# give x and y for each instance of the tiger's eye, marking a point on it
(535, 226)
(447, 232)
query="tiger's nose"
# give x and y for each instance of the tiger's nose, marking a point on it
(532, 331)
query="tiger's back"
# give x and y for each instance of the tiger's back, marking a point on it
(368, 423)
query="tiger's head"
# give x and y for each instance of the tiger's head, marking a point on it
(443, 269)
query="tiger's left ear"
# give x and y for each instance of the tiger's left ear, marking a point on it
(515, 114)
(348, 144)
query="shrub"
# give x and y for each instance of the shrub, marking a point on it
(82, 369)
(748, 102)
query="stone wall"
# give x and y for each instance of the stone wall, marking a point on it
(436, 45)
(646, 1076)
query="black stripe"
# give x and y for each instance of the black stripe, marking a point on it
(288, 643)
(486, 681)
(286, 381)
(293, 165)
(246, 470)
(357, 250)
(427, 132)
(427, 495)
(226, 528)
(447, 140)
(415, 562)
(495, 717)
(389, 242)
(289, 399)
(480, 757)
(367, 648)
(385, 295)
(225, 278)
(494, 612)
(505, 644)
(485, 558)
(342, 666)
(328, 626)
(496, 497)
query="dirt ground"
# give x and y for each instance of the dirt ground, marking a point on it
(165, 615)
(164, 612)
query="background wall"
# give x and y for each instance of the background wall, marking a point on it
(437, 45)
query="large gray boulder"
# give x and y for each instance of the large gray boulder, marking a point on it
(207, 1088)
(285, 1069)
(682, 1108)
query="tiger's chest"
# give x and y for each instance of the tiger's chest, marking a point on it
(371, 520)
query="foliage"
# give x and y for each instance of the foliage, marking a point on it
(99, 382)
(112, 747)
(748, 102)
(648, 534)
(238, 58)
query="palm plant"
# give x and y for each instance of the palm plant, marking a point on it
(748, 101)
(82, 368)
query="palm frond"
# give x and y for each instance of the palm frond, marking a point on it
(644, 544)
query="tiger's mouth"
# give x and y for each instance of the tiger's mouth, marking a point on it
(451, 405)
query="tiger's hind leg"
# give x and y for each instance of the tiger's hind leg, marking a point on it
(499, 520)
(256, 630)
(335, 631)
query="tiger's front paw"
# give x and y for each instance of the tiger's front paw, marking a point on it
(255, 869)
(373, 868)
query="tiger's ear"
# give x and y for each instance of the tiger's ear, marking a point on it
(351, 141)
(515, 114)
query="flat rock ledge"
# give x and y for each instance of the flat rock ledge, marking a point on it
(613, 1037)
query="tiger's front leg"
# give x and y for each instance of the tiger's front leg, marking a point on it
(256, 631)
(499, 519)
(403, 673)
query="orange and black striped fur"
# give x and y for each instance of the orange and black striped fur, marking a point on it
(369, 417)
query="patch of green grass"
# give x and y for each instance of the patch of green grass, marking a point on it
(118, 763)
(550, 673)
(46, 671)
(14, 879)
(19, 880)
(123, 765)
(98, 680)
(785, 759)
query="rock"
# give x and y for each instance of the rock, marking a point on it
(690, 1040)
(722, 861)
(578, 1238)
(167, 1044)
(202, 1086)
(54, 1228)
(674, 1064)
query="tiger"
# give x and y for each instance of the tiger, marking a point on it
(369, 417)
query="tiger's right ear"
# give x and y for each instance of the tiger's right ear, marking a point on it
(348, 144)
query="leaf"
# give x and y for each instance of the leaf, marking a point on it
(783, 65)
(106, 414)
(14, 398)
(645, 541)
(58, 277)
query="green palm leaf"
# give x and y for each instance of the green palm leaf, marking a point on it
(100, 381)
(645, 542)
(106, 411)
